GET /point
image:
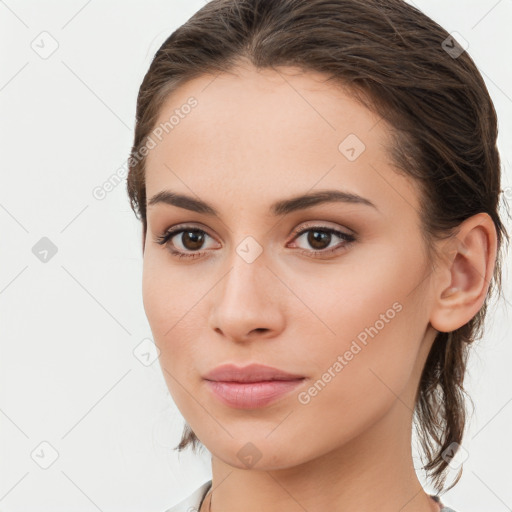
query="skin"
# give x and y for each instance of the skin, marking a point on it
(255, 137)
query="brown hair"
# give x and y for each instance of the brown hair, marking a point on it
(403, 66)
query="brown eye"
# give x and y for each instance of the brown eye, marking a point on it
(192, 240)
(189, 245)
(319, 239)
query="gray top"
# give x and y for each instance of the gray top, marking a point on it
(444, 508)
(194, 501)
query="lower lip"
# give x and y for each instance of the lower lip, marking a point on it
(251, 395)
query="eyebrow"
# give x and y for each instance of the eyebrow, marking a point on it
(282, 207)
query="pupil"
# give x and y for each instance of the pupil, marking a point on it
(318, 242)
(194, 237)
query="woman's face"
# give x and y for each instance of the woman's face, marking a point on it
(266, 281)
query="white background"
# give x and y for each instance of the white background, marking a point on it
(69, 326)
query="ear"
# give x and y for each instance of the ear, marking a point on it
(464, 273)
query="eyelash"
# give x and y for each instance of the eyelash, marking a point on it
(348, 240)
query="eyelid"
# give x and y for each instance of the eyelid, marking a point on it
(319, 224)
(188, 226)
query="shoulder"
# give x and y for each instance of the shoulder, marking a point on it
(191, 503)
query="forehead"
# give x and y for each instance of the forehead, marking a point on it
(273, 132)
(253, 104)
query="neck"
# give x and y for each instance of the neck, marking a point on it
(372, 472)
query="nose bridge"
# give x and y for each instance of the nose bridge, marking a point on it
(246, 301)
(247, 261)
(246, 281)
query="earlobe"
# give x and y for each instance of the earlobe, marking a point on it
(463, 277)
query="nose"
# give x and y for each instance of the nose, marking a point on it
(248, 302)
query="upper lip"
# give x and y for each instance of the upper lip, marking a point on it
(251, 373)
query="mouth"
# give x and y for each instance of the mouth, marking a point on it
(250, 386)
(252, 395)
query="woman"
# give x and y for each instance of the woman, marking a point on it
(318, 183)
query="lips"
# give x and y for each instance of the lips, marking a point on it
(250, 395)
(250, 373)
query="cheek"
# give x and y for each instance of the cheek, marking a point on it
(167, 295)
(168, 305)
(376, 319)
(359, 379)
(173, 331)
(366, 296)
